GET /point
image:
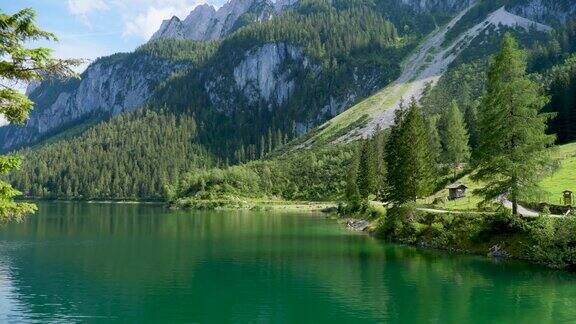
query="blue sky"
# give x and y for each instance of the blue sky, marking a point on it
(89, 29)
(92, 28)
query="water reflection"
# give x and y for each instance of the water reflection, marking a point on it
(74, 262)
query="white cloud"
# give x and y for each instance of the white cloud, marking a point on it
(145, 24)
(3, 120)
(81, 8)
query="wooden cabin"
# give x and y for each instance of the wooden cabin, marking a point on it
(567, 197)
(456, 191)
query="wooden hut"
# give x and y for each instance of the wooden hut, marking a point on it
(567, 197)
(456, 191)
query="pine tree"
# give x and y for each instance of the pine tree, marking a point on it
(366, 170)
(417, 159)
(512, 154)
(434, 138)
(379, 144)
(393, 190)
(352, 193)
(17, 64)
(455, 139)
(470, 117)
(410, 162)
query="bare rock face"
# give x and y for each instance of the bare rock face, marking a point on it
(207, 23)
(106, 89)
(546, 11)
(284, 4)
(262, 77)
(259, 75)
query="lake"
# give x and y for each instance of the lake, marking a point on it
(78, 262)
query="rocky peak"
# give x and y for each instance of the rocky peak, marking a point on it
(200, 13)
(207, 23)
(170, 28)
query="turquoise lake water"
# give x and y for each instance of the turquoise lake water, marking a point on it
(79, 262)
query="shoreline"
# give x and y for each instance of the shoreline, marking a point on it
(215, 204)
(499, 247)
(263, 205)
(542, 241)
(93, 201)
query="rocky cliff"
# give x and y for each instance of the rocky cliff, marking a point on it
(260, 81)
(546, 11)
(107, 88)
(207, 23)
(264, 75)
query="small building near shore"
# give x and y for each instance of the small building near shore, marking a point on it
(567, 197)
(456, 191)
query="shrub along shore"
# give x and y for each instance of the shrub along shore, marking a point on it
(544, 240)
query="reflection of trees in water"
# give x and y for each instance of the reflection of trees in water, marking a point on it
(458, 288)
(146, 261)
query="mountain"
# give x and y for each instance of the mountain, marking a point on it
(306, 62)
(108, 87)
(293, 66)
(263, 75)
(422, 68)
(255, 75)
(206, 23)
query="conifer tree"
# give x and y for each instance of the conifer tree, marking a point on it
(19, 63)
(434, 138)
(470, 117)
(352, 193)
(512, 154)
(393, 190)
(366, 170)
(455, 139)
(379, 144)
(410, 162)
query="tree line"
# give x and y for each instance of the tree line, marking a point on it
(133, 156)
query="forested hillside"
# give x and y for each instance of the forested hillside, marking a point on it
(245, 96)
(133, 156)
(317, 60)
(287, 74)
(550, 61)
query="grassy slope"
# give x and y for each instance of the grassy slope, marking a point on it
(563, 179)
(424, 66)
(470, 202)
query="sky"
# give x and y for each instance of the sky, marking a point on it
(93, 28)
(89, 29)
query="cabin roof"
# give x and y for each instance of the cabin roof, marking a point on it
(566, 191)
(457, 186)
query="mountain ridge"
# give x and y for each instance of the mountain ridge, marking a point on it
(423, 68)
(258, 84)
(206, 23)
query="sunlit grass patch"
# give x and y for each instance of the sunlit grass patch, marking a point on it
(564, 178)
